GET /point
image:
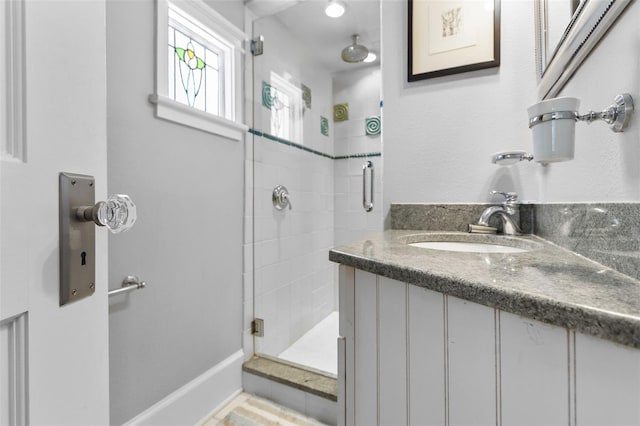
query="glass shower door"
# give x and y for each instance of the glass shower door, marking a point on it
(294, 283)
(316, 130)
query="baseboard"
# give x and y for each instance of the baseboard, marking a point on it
(199, 398)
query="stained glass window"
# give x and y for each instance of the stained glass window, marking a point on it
(198, 68)
(196, 59)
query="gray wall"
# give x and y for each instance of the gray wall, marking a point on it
(232, 10)
(439, 133)
(187, 243)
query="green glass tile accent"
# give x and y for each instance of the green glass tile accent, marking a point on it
(306, 96)
(268, 95)
(324, 126)
(367, 155)
(341, 112)
(312, 151)
(372, 125)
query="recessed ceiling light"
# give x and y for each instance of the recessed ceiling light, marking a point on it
(334, 9)
(370, 57)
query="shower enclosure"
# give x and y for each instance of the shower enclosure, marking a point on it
(314, 173)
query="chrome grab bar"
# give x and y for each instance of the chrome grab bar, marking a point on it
(129, 284)
(367, 206)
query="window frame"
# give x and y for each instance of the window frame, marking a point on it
(228, 125)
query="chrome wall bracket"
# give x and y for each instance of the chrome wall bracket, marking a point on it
(617, 115)
(507, 158)
(130, 283)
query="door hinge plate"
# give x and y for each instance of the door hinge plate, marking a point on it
(257, 46)
(257, 327)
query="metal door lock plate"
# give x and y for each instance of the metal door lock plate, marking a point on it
(77, 239)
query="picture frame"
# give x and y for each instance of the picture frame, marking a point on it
(452, 36)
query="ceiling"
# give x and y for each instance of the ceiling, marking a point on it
(326, 36)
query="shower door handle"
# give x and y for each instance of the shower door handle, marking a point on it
(367, 206)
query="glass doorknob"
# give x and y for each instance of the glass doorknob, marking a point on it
(118, 213)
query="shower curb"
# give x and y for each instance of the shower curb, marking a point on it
(290, 374)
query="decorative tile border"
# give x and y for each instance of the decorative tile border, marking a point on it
(312, 151)
(366, 155)
(289, 143)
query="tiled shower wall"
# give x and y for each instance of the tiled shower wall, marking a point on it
(361, 90)
(295, 284)
(294, 281)
(352, 222)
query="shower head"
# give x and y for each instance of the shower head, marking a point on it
(355, 52)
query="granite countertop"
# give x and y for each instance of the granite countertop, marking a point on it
(547, 283)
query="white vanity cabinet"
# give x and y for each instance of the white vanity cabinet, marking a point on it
(412, 356)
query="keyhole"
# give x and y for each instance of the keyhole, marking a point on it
(84, 257)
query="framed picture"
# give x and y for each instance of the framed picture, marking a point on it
(452, 36)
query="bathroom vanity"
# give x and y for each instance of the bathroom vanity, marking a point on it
(535, 336)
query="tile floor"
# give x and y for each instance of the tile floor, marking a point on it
(250, 410)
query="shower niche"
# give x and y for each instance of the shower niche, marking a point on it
(315, 122)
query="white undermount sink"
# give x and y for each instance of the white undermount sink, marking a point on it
(470, 243)
(467, 247)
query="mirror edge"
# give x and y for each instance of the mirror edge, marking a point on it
(590, 23)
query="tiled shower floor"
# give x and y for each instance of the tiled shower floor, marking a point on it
(318, 348)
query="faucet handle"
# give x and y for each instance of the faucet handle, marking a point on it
(509, 197)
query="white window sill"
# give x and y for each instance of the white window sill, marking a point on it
(170, 110)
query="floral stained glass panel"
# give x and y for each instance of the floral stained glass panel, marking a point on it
(193, 73)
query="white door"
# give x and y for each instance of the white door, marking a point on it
(53, 359)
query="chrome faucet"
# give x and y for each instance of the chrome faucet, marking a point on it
(509, 213)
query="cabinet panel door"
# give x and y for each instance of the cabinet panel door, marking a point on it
(366, 349)
(392, 343)
(426, 357)
(471, 338)
(346, 387)
(607, 383)
(534, 359)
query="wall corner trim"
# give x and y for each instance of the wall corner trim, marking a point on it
(199, 398)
